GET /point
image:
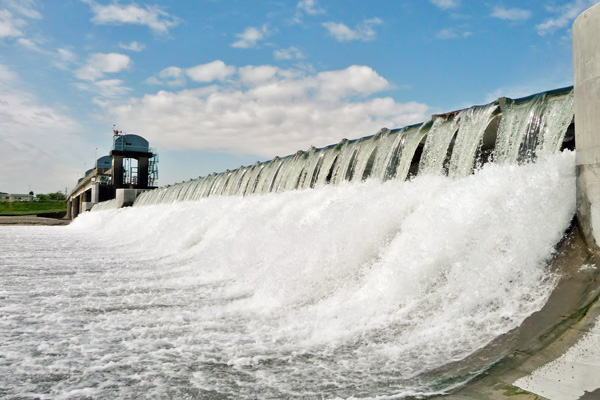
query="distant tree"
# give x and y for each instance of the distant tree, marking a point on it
(42, 197)
(31, 193)
(56, 196)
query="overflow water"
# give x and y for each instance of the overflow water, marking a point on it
(324, 274)
(358, 290)
(452, 144)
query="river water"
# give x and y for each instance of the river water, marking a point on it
(353, 291)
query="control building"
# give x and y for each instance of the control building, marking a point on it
(130, 168)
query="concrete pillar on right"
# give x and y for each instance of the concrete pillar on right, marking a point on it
(586, 70)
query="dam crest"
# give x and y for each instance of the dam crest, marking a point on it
(452, 144)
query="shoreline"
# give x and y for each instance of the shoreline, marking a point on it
(31, 220)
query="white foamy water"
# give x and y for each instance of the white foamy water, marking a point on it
(356, 290)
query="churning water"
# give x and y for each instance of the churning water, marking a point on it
(361, 290)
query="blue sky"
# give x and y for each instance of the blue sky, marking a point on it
(215, 84)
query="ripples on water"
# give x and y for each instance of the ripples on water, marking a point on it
(357, 290)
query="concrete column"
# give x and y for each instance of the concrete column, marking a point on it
(586, 69)
(117, 171)
(95, 193)
(125, 197)
(69, 209)
(75, 207)
(142, 172)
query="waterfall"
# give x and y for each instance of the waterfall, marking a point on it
(453, 144)
(533, 124)
(437, 144)
(473, 123)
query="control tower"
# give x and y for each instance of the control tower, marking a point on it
(130, 168)
(133, 162)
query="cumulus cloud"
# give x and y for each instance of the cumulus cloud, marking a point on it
(9, 25)
(250, 37)
(38, 142)
(133, 46)
(511, 14)
(452, 33)
(291, 53)
(363, 31)
(566, 15)
(446, 4)
(309, 7)
(99, 64)
(266, 111)
(257, 75)
(212, 71)
(172, 76)
(153, 17)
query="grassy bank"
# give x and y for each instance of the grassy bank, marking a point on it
(32, 207)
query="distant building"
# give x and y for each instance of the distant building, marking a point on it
(16, 197)
(131, 165)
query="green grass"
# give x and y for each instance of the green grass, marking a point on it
(31, 207)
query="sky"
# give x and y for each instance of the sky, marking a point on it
(216, 84)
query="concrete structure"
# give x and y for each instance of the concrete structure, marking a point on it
(16, 197)
(129, 169)
(586, 68)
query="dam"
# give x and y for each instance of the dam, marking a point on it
(455, 259)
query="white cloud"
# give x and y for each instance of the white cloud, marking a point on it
(39, 144)
(212, 71)
(291, 53)
(133, 46)
(309, 7)
(250, 37)
(363, 31)
(23, 7)
(100, 63)
(172, 76)
(278, 112)
(6, 75)
(452, 33)
(66, 55)
(566, 15)
(512, 14)
(446, 4)
(354, 80)
(111, 88)
(30, 44)
(63, 59)
(10, 26)
(255, 75)
(153, 17)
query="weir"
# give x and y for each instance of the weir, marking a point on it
(453, 144)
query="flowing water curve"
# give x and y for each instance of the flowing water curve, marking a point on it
(452, 144)
(324, 274)
(360, 289)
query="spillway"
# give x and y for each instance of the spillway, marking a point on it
(403, 264)
(453, 144)
(356, 290)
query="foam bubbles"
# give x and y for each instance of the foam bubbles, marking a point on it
(354, 290)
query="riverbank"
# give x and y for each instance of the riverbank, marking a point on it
(32, 220)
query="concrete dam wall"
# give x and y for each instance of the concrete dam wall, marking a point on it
(453, 144)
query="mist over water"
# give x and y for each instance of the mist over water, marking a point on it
(358, 290)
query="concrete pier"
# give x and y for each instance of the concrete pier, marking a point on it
(586, 69)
